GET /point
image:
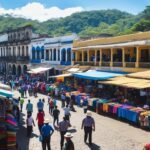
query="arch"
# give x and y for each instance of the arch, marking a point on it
(63, 54)
(14, 69)
(10, 68)
(42, 52)
(38, 48)
(33, 52)
(69, 54)
(19, 70)
(58, 54)
(24, 69)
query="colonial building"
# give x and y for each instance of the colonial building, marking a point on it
(58, 50)
(15, 50)
(123, 53)
(21, 48)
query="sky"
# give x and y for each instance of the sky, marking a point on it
(43, 10)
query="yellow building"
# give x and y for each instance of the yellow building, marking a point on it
(129, 53)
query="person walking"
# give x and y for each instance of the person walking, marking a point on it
(88, 124)
(56, 113)
(40, 105)
(51, 106)
(69, 144)
(67, 113)
(30, 123)
(29, 107)
(46, 133)
(63, 99)
(85, 105)
(21, 103)
(40, 119)
(63, 127)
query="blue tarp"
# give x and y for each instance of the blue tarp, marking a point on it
(96, 75)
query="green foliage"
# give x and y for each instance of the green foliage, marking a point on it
(87, 23)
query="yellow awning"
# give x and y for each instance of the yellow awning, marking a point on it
(128, 82)
(141, 75)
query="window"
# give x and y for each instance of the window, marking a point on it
(58, 55)
(26, 50)
(19, 51)
(47, 54)
(23, 54)
(33, 54)
(38, 54)
(54, 54)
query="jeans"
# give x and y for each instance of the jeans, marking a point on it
(88, 133)
(46, 142)
(56, 119)
(62, 133)
(40, 127)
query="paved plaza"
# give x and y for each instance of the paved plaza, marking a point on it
(110, 134)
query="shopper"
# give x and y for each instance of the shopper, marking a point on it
(51, 106)
(56, 113)
(40, 105)
(88, 124)
(21, 103)
(67, 113)
(63, 99)
(46, 133)
(69, 144)
(30, 123)
(63, 127)
(29, 107)
(40, 119)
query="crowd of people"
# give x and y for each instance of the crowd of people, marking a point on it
(46, 130)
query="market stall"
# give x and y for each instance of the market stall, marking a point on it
(8, 122)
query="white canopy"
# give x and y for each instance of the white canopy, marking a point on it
(38, 70)
(73, 70)
(62, 75)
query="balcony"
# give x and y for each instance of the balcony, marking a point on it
(23, 59)
(144, 65)
(106, 64)
(65, 63)
(36, 61)
(130, 64)
(117, 64)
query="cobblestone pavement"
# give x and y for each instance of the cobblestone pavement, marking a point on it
(110, 134)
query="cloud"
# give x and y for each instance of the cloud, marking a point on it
(37, 11)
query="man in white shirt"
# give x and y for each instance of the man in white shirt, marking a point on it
(67, 113)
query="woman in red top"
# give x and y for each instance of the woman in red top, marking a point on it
(40, 118)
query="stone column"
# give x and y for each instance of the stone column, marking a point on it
(100, 57)
(95, 57)
(82, 55)
(88, 56)
(137, 57)
(112, 54)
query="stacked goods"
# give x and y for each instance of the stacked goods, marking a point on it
(11, 131)
(144, 119)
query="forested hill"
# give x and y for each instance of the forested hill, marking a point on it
(85, 24)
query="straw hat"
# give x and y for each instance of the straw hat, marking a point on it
(68, 135)
(89, 113)
(46, 120)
